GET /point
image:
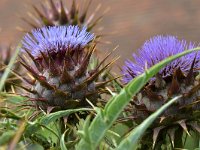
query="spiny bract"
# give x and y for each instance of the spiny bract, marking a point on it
(61, 55)
(180, 77)
(55, 13)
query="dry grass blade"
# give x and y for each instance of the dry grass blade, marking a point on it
(7, 71)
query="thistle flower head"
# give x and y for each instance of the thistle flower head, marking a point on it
(179, 77)
(55, 13)
(157, 49)
(60, 69)
(56, 39)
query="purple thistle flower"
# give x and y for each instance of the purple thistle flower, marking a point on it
(157, 49)
(55, 39)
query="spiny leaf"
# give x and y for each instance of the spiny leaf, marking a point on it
(172, 135)
(8, 114)
(184, 126)
(53, 116)
(62, 141)
(156, 132)
(130, 142)
(104, 120)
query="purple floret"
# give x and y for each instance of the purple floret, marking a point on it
(157, 49)
(55, 39)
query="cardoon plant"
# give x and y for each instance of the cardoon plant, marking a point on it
(179, 77)
(62, 78)
(56, 13)
(72, 101)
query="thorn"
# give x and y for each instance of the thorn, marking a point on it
(184, 126)
(65, 76)
(30, 69)
(92, 16)
(41, 79)
(32, 82)
(174, 87)
(69, 63)
(73, 9)
(171, 133)
(106, 57)
(26, 89)
(131, 72)
(84, 64)
(28, 22)
(161, 119)
(44, 19)
(159, 82)
(55, 12)
(82, 18)
(190, 77)
(89, 102)
(52, 65)
(156, 132)
(95, 75)
(179, 74)
(153, 95)
(49, 109)
(111, 92)
(63, 18)
(101, 84)
(34, 61)
(45, 59)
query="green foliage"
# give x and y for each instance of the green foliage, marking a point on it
(43, 131)
(22, 129)
(62, 142)
(93, 134)
(130, 142)
(56, 115)
(6, 137)
(192, 141)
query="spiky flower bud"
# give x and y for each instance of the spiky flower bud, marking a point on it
(180, 77)
(61, 55)
(55, 13)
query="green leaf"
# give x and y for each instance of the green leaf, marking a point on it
(15, 99)
(6, 137)
(62, 142)
(54, 116)
(6, 113)
(191, 142)
(130, 142)
(105, 118)
(46, 120)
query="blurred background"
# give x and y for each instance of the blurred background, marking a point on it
(128, 23)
